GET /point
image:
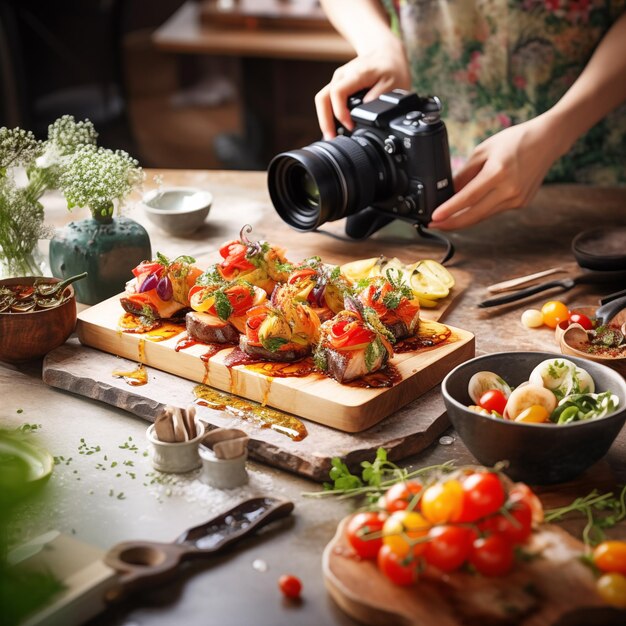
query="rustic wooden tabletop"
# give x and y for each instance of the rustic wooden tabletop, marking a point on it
(83, 500)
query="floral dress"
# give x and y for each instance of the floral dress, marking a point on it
(495, 63)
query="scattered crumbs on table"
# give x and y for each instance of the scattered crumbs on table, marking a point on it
(190, 488)
(446, 440)
(260, 565)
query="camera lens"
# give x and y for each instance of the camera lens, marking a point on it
(328, 180)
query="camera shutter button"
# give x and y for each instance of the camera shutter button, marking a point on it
(391, 145)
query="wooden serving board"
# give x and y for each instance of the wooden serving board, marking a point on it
(315, 397)
(542, 591)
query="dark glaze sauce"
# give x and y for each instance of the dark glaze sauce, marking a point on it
(251, 411)
(429, 335)
(388, 376)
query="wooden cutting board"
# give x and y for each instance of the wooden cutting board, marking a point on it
(539, 592)
(315, 397)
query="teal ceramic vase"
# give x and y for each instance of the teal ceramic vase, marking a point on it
(106, 248)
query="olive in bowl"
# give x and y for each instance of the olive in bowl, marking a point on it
(35, 317)
(536, 453)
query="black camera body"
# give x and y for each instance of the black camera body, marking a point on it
(394, 165)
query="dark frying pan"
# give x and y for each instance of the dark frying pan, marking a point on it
(601, 250)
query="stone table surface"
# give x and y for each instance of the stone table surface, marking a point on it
(101, 503)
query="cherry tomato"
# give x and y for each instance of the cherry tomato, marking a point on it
(554, 312)
(492, 555)
(582, 319)
(612, 589)
(290, 585)
(535, 414)
(610, 556)
(364, 533)
(521, 491)
(493, 400)
(515, 525)
(400, 570)
(448, 547)
(401, 495)
(442, 502)
(483, 494)
(402, 532)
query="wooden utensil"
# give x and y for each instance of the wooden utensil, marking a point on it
(141, 563)
(514, 283)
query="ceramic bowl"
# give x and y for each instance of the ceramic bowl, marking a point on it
(538, 454)
(179, 211)
(29, 336)
(176, 458)
(25, 469)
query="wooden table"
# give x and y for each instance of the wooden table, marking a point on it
(281, 71)
(84, 500)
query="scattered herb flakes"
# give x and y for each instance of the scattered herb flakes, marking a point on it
(28, 428)
(121, 496)
(19, 411)
(86, 449)
(129, 446)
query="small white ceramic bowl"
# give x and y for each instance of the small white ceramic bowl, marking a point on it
(176, 458)
(179, 211)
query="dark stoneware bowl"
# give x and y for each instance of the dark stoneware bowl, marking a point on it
(538, 454)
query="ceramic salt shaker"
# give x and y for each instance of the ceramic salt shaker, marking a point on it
(223, 452)
(174, 439)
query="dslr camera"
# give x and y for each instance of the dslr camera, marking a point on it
(394, 165)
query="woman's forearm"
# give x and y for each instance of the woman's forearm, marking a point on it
(599, 89)
(363, 23)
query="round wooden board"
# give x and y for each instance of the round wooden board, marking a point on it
(539, 592)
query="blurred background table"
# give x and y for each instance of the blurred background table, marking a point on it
(95, 505)
(281, 70)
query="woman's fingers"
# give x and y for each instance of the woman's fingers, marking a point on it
(468, 216)
(324, 109)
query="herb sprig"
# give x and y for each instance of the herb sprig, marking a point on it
(602, 511)
(375, 477)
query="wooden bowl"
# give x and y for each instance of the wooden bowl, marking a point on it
(29, 336)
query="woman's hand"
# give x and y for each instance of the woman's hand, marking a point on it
(381, 69)
(504, 172)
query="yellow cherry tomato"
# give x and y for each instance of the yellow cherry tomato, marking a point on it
(535, 414)
(403, 530)
(610, 556)
(442, 502)
(612, 589)
(554, 312)
(532, 318)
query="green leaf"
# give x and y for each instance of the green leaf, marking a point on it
(162, 259)
(223, 307)
(273, 343)
(184, 258)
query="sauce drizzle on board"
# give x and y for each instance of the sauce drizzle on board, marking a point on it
(249, 411)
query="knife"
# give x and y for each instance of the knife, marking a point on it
(564, 284)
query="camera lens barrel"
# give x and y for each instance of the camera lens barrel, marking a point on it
(327, 180)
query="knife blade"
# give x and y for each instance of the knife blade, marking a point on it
(564, 284)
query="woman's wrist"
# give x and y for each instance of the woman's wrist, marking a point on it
(560, 131)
